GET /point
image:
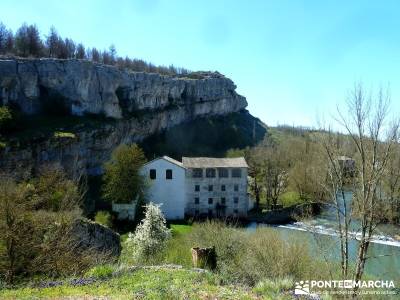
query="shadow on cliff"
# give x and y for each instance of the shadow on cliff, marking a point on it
(211, 136)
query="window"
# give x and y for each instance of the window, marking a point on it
(197, 173)
(236, 187)
(210, 173)
(223, 187)
(223, 201)
(197, 188)
(196, 200)
(236, 173)
(223, 172)
(236, 200)
(153, 174)
(235, 211)
(168, 174)
(210, 200)
(210, 213)
(196, 212)
(210, 188)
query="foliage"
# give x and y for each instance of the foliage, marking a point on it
(288, 199)
(36, 222)
(150, 236)
(5, 118)
(103, 218)
(247, 257)
(179, 229)
(101, 271)
(287, 162)
(123, 182)
(14, 228)
(273, 288)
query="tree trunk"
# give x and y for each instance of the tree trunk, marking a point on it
(204, 258)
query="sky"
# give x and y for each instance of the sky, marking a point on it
(295, 61)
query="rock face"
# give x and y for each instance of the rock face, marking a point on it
(93, 236)
(139, 105)
(82, 87)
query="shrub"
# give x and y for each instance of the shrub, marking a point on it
(150, 236)
(104, 218)
(101, 271)
(37, 228)
(247, 257)
(273, 288)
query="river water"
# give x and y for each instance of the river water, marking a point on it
(321, 235)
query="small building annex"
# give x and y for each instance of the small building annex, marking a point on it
(198, 186)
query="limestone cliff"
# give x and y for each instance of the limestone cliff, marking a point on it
(135, 105)
(82, 87)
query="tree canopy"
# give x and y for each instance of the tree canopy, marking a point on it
(123, 182)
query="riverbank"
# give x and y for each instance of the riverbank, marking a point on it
(285, 215)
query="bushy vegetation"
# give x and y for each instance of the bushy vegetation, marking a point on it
(27, 42)
(36, 219)
(104, 218)
(100, 271)
(5, 117)
(149, 239)
(285, 167)
(123, 182)
(9, 119)
(249, 257)
(243, 257)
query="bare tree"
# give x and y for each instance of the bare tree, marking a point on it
(392, 186)
(275, 173)
(374, 137)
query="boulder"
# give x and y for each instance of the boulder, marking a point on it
(94, 236)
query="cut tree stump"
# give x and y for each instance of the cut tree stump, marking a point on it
(204, 258)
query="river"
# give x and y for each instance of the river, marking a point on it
(320, 233)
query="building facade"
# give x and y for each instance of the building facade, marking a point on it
(198, 186)
(166, 180)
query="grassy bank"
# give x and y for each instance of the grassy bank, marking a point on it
(257, 265)
(157, 283)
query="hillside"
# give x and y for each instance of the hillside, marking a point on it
(159, 282)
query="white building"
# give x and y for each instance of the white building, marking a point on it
(166, 178)
(198, 186)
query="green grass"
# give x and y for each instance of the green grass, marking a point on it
(178, 229)
(162, 283)
(289, 199)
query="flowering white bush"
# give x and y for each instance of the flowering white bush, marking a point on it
(150, 236)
